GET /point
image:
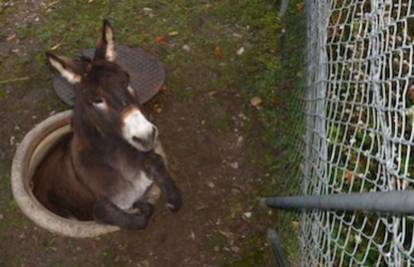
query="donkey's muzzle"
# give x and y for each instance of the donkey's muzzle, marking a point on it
(138, 131)
(147, 143)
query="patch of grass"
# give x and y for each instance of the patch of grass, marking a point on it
(277, 65)
(108, 258)
(255, 256)
(8, 207)
(221, 123)
(3, 95)
(219, 120)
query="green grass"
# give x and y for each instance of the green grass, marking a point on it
(280, 85)
(8, 207)
(255, 257)
(3, 95)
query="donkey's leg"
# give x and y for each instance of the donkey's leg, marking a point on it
(157, 170)
(107, 212)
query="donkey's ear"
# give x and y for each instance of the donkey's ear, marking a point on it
(105, 49)
(65, 67)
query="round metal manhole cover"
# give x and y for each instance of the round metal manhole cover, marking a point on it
(146, 73)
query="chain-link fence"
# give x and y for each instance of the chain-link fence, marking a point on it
(359, 137)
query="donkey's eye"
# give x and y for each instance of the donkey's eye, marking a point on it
(99, 103)
(130, 90)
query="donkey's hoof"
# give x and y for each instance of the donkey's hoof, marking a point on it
(171, 207)
(174, 204)
(145, 208)
(139, 224)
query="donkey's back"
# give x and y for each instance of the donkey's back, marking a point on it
(57, 187)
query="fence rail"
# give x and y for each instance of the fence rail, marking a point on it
(359, 138)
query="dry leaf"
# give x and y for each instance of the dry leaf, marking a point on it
(160, 39)
(164, 88)
(275, 100)
(240, 51)
(218, 52)
(211, 93)
(411, 92)
(299, 7)
(295, 225)
(226, 234)
(256, 101)
(349, 176)
(157, 108)
(11, 37)
(173, 33)
(56, 46)
(186, 48)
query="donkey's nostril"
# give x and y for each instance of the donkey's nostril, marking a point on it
(138, 140)
(154, 133)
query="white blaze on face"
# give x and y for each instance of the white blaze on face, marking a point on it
(137, 130)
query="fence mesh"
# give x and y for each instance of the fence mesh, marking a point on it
(359, 128)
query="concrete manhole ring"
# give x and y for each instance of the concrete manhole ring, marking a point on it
(29, 154)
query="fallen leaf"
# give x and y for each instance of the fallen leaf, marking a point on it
(11, 37)
(237, 35)
(173, 33)
(411, 92)
(164, 88)
(56, 46)
(211, 93)
(160, 39)
(147, 9)
(226, 234)
(256, 102)
(240, 51)
(235, 249)
(186, 48)
(234, 165)
(295, 225)
(299, 7)
(11, 140)
(218, 52)
(275, 100)
(148, 12)
(349, 176)
(211, 185)
(157, 108)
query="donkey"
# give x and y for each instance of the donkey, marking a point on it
(104, 168)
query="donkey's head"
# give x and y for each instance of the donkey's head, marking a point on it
(104, 99)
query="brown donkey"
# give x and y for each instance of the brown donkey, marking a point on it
(102, 171)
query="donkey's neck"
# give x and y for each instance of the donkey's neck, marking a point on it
(89, 140)
(87, 136)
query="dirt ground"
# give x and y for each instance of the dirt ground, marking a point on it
(208, 126)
